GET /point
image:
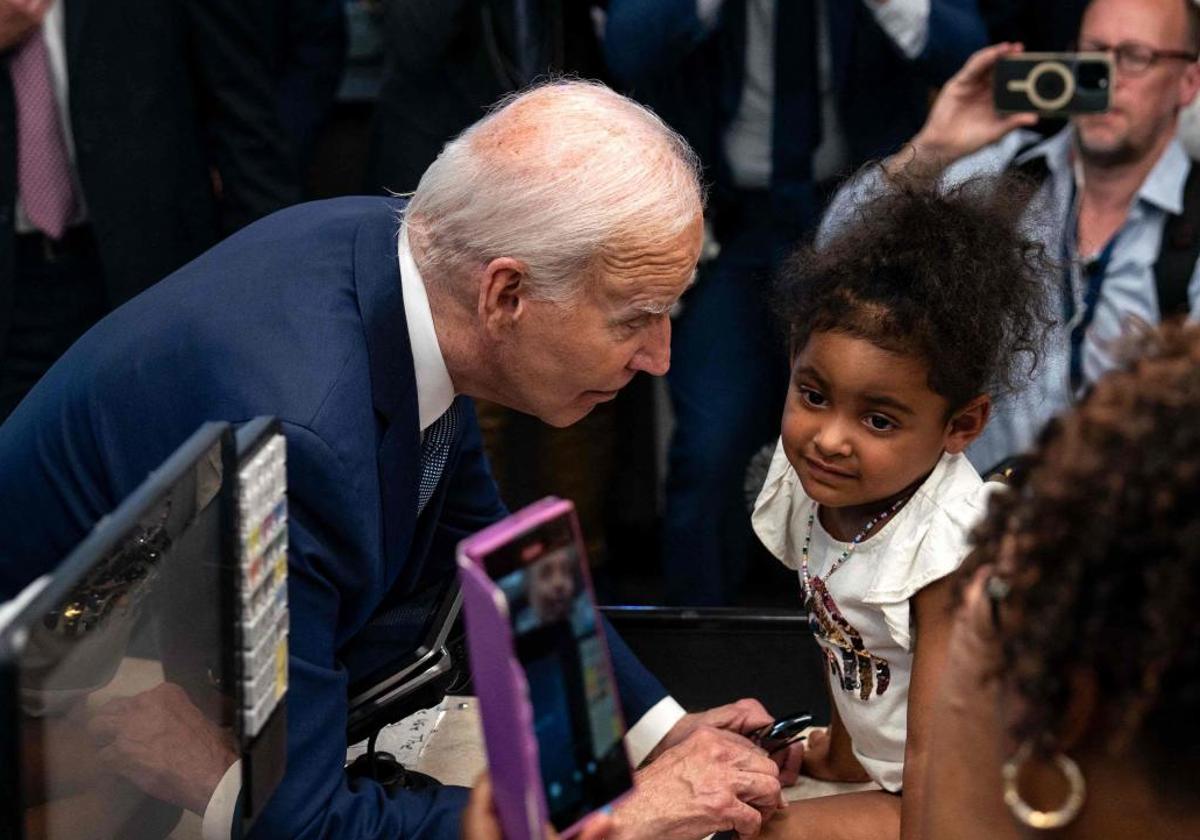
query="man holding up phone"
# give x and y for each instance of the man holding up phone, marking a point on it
(1109, 185)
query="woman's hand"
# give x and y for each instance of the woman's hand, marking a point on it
(480, 821)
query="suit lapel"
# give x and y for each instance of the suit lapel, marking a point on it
(393, 387)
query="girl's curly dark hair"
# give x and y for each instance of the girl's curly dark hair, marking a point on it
(943, 273)
(1104, 529)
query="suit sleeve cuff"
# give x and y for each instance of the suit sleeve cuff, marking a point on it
(906, 22)
(644, 735)
(218, 816)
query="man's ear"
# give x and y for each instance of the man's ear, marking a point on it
(502, 293)
(967, 424)
(1189, 84)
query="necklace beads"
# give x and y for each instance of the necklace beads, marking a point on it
(845, 555)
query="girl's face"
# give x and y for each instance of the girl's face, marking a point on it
(861, 423)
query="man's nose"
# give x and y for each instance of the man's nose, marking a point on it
(654, 356)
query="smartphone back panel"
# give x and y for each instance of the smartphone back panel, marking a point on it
(547, 694)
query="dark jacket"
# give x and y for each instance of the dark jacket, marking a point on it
(447, 61)
(160, 92)
(693, 77)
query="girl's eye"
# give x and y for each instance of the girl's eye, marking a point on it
(879, 423)
(813, 398)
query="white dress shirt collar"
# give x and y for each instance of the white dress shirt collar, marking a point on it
(435, 391)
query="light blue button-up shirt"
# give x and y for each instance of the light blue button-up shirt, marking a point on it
(1128, 297)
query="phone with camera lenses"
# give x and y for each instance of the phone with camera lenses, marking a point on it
(1053, 84)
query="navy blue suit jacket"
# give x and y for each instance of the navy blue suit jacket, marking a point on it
(300, 316)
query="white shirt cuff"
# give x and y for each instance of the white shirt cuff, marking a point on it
(218, 816)
(644, 735)
(905, 21)
(11, 609)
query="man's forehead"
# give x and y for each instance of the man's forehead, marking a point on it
(1135, 20)
(653, 295)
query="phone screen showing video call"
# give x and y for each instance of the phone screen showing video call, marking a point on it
(576, 718)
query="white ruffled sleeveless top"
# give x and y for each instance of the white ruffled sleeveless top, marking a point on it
(861, 616)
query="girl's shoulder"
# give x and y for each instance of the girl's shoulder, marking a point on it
(781, 509)
(932, 537)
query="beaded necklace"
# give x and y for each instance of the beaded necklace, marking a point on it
(845, 555)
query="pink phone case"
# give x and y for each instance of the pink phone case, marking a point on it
(499, 679)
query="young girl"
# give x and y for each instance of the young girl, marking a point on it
(902, 326)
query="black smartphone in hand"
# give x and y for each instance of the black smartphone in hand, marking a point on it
(782, 732)
(1053, 84)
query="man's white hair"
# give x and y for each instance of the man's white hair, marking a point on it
(559, 177)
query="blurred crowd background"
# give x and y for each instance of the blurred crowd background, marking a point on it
(187, 120)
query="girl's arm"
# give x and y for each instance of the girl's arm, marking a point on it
(829, 755)
(932, 622)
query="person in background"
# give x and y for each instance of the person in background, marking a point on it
(133, 135)
(780, 98)
(1074, 710)
(1112, 202)
(1040, 26)
(447, 61)
(309, 55)
(1189, 129)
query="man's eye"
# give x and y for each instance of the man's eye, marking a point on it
(813, 398)
(879, 423)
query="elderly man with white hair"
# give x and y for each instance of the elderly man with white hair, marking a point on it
(534, 266)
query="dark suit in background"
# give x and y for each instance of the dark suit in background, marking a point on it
(161, 93)
(1035, 23)
(729, 374)
(447, 61)
(309, 55)
(300, 316)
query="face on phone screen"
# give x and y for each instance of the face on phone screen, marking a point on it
(576, 718)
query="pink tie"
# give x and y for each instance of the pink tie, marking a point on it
(43, 167)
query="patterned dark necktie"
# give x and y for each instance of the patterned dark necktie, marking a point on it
(43, 165)
(435, 449)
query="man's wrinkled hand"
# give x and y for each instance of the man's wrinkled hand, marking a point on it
(741, 717)
(18, 18)
(164, 745)
(713, 780)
